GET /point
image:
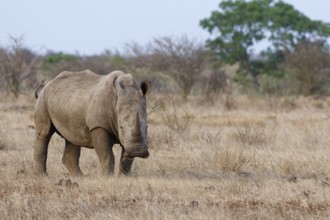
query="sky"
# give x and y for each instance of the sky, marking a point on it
(90, 27)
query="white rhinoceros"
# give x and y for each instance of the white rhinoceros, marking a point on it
(93, 111)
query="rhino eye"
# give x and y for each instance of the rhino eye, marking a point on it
(121, 127)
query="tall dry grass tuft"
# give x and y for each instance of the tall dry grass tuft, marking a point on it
(231, 160)
(249, 134)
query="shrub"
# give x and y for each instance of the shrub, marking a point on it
(55, 63)
(309, 68)
(178, 121)
(18, 66)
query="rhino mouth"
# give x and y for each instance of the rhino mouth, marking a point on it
(144, 154)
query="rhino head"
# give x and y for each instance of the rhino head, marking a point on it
(132, 115)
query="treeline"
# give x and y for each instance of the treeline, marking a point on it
(176, 65)
(296, 62)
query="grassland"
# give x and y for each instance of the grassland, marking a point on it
(268, 158)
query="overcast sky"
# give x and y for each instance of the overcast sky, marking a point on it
(90, 27)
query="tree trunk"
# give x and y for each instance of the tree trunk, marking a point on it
(184, 95)
(255, 80)
(253, 74)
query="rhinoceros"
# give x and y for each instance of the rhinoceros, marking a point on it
(92, 111)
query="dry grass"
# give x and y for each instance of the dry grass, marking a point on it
(254, 162)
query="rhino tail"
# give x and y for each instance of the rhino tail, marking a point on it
(36, 93)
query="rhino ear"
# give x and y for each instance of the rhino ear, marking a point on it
(145, 87)
(118, 85)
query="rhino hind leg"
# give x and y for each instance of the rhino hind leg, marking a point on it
(44, 131)
(71, 157)
(103, 143)
(125, 163)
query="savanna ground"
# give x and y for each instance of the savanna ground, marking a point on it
(268, 158)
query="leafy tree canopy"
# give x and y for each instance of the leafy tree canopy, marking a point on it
(239, 25)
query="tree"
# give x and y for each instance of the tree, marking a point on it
(239, 25)
(18, 65)
(180, 58)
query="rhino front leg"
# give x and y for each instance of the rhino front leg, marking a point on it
(125, 163)
(103, 143)
(71, 157)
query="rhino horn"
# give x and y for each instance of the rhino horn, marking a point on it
(137, 129)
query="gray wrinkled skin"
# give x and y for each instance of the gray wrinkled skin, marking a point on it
(93, 111)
